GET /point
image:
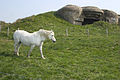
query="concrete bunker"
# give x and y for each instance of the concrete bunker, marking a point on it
(87, 15)
(91, 14)
(89, 21)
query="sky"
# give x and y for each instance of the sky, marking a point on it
(11, 10)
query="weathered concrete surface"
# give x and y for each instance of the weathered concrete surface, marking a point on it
(71, 13)
(110, 16)
(87, 15)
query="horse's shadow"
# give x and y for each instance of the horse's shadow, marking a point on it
(9, 54)
(12, 55)
(6, 54)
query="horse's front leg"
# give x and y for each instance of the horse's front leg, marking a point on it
(15, 48)
(41, 44)
(32, 46)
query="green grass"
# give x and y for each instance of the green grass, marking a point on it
(73, 57)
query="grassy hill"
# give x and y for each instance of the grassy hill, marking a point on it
(90, 52)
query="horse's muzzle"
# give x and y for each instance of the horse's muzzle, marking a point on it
(53, 41)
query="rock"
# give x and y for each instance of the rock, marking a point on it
(87, 15)
(110, 16)
(119, 19)
(91, 14)
(71, 13)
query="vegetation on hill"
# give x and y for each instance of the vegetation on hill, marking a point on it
(90, 52)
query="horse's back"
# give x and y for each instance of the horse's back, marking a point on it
(21, 32)
(21, 35)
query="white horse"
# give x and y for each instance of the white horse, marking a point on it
(32, 39)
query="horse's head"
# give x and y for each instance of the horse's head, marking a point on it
(51, 36)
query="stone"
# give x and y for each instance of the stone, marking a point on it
(119, 19)
(87, 15)
(91, 14)
(110, 16)
(71, 13)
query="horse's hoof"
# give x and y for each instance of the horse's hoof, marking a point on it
(28, 56)
(18, 55)
(43, 57)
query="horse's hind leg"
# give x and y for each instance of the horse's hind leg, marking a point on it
(32, 46)
(17, 46)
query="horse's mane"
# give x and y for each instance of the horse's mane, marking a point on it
(43, 32)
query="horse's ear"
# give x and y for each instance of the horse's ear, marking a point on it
(40, 29)
(51, 31)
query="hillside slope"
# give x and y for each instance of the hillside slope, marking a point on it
(90, 52)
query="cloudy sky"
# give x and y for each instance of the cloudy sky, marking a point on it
(11, 10)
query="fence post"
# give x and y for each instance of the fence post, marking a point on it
(8, 31)
(88, 32)
(66, 31)
(107, 32)
(0, 27)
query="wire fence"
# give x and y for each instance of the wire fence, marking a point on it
(72, 31)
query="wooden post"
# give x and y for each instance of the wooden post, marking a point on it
(0, 28)
(8, 31)
(66, 31)
(107, 32)
(88, 32)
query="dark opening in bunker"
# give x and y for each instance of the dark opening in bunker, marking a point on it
(89, 21)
